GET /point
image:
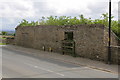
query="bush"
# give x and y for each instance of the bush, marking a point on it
(64, 20)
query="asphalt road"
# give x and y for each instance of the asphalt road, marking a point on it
(16, 64)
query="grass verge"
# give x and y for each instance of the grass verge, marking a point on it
(2, 43)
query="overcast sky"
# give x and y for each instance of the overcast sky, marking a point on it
(13, 11)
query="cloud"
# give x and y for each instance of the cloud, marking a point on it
(119, 10)
(7, 23)
(13, 11)
(65, 6)
(42, 9)
(115, 10)
(37, 8)
(19, 8)
(97, 8)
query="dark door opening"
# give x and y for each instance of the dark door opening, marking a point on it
(68, 44)
(68, 35)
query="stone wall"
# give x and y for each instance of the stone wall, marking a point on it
(39, 37)
(10, 41)
(115, 54)
(2, 40)
(90, 40)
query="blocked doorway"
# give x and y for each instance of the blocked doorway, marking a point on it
(68, 36)
(68, 44)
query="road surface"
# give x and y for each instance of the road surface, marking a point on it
(16, 64)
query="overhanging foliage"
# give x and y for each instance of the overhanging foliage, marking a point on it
(64, 20)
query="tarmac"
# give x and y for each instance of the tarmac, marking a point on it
(112, 68)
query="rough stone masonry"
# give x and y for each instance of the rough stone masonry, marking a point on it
(91, 40)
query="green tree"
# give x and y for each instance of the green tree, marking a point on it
(64, 20)
(4, 33)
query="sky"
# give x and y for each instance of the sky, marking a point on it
(13, 11)
(119, 11)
